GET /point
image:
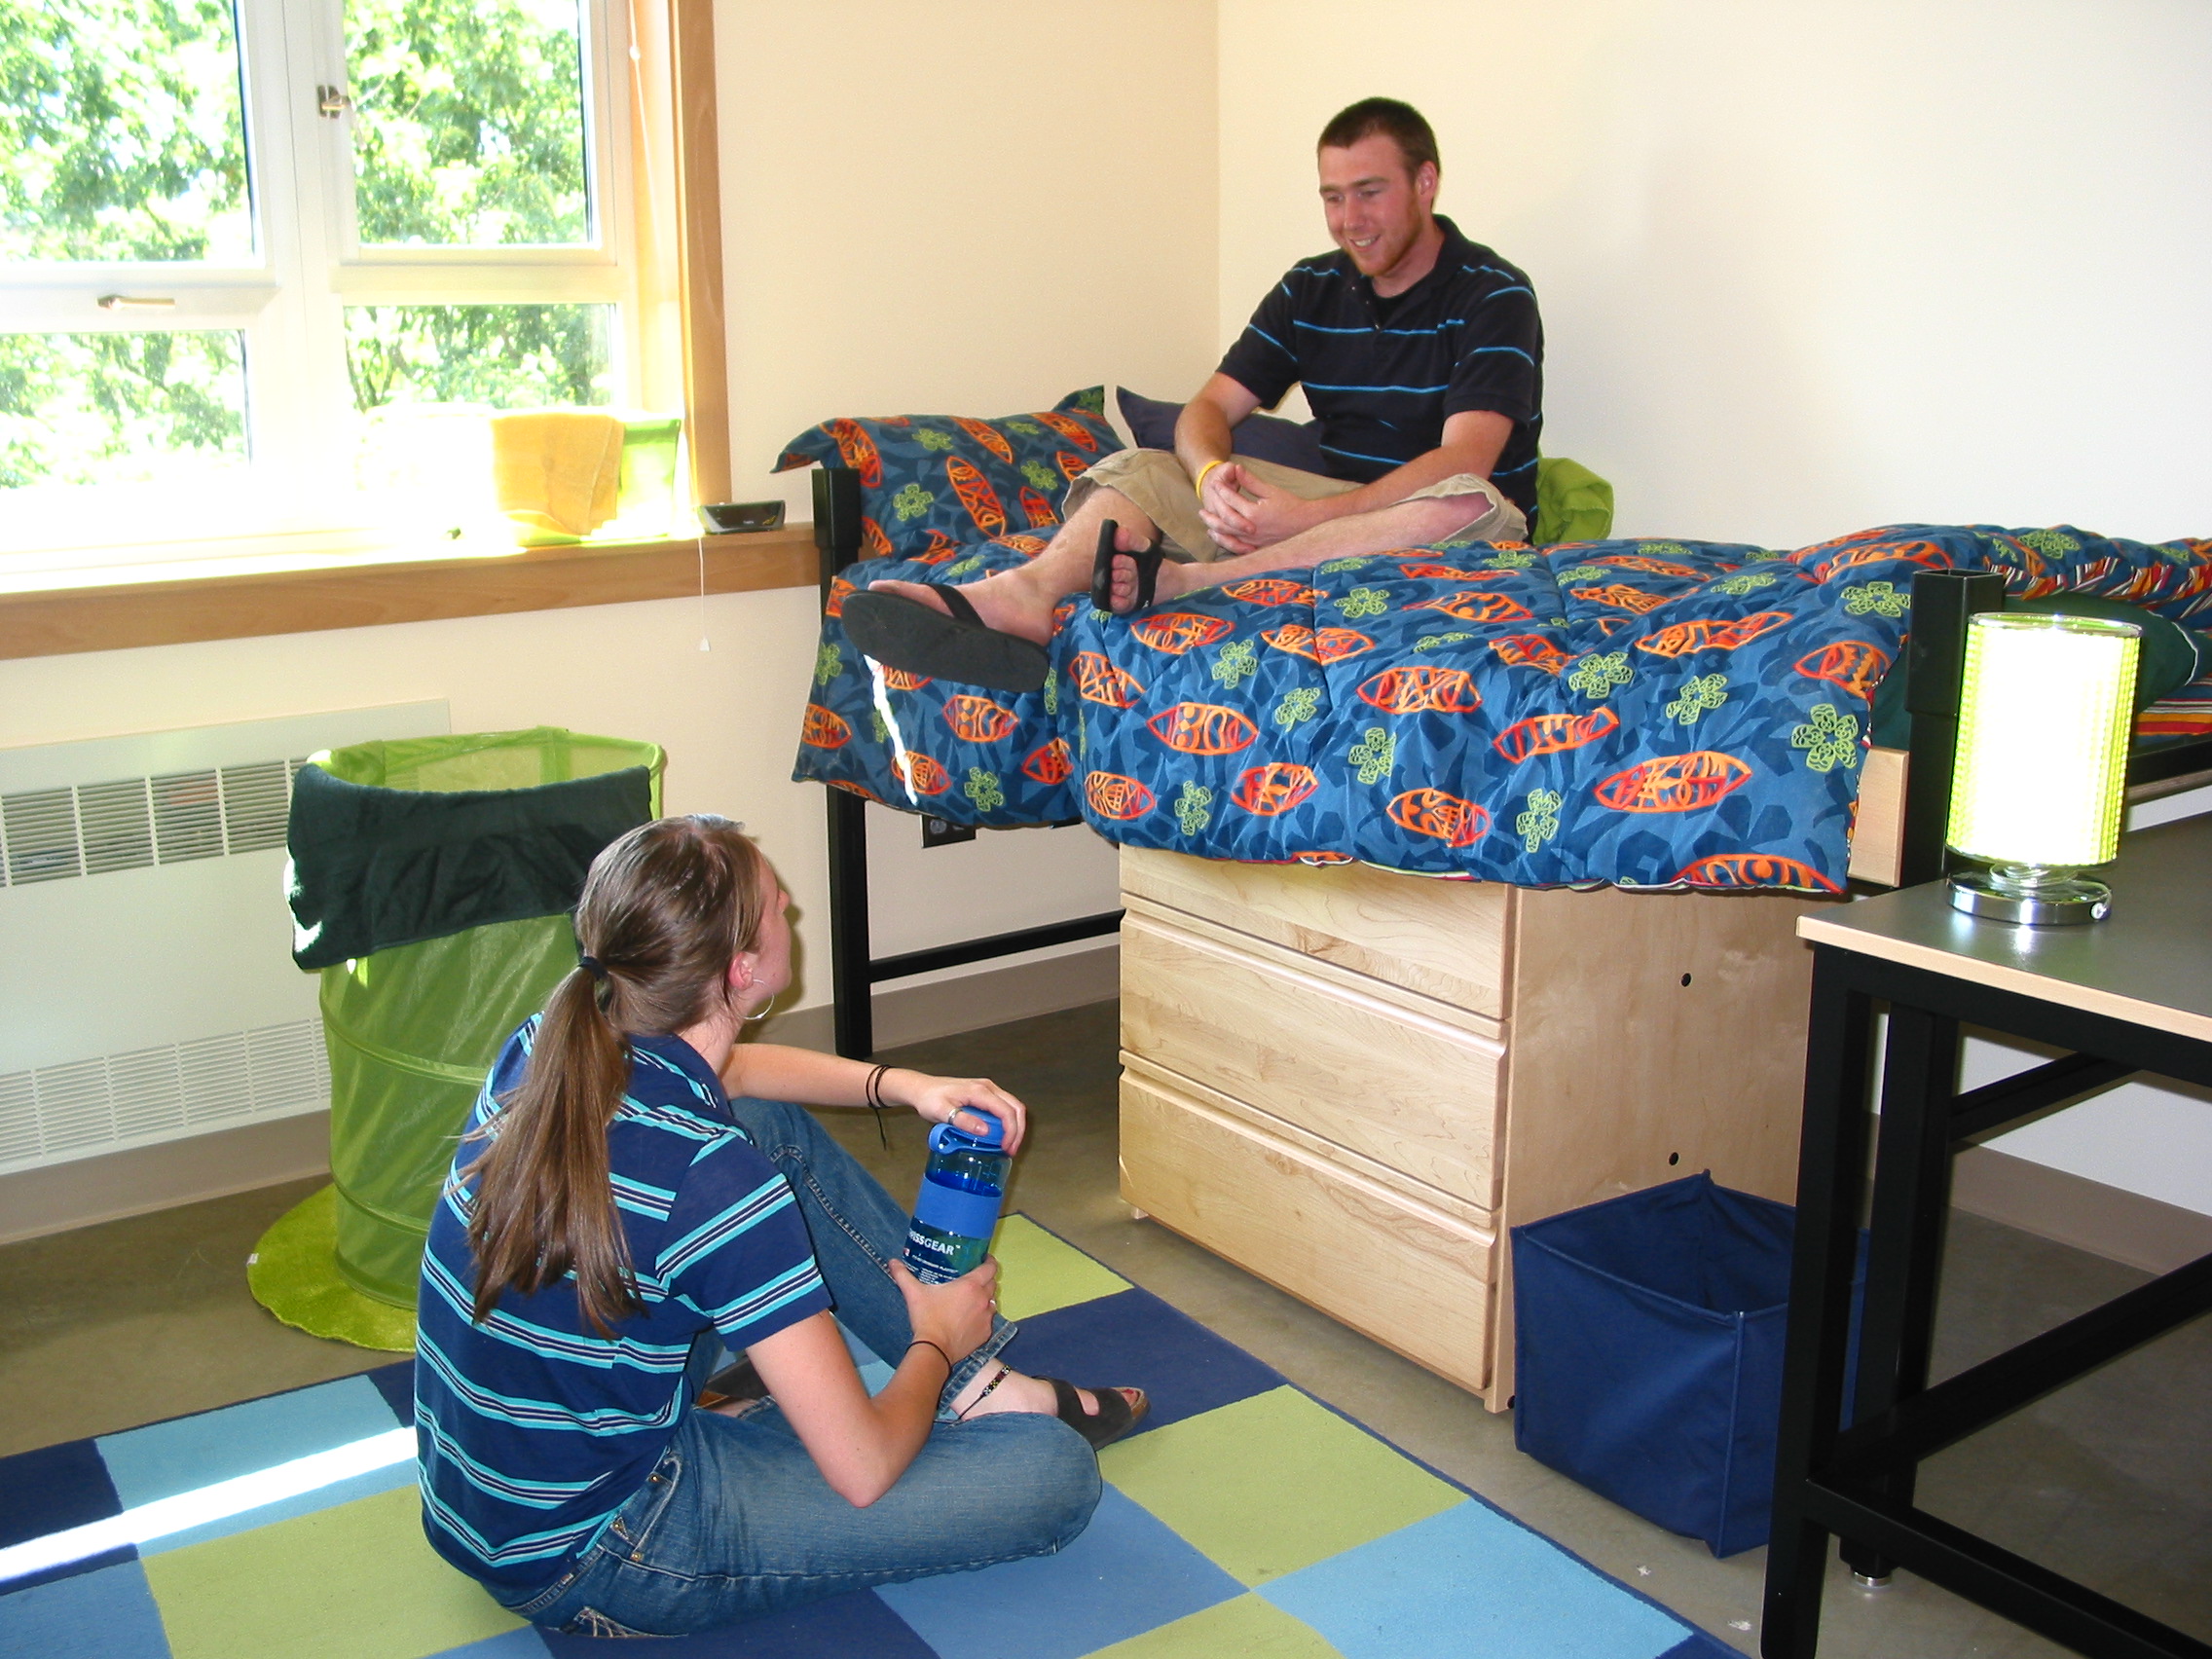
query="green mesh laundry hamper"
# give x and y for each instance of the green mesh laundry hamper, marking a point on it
(431, 881)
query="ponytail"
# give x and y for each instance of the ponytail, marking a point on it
(663, 912)
(543, 1200)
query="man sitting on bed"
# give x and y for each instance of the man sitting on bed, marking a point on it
(1422, 355)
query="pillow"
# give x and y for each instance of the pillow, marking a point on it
(1151, 425)
(2168, 658)
(929, 482)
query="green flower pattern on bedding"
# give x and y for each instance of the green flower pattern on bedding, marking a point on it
(982, 788)
(1370, 757)
(1191, 807)
(1829, 738)
(1701, 695)
(1235, 664)
(1602, 675)
(1539, 823)
(1876, 599)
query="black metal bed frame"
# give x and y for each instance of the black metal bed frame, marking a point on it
(855, 973)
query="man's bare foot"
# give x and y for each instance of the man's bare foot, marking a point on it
(990, 1392)
(1171, 581)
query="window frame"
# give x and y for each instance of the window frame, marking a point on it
(291, 501)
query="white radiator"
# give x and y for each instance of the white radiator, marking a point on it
(147, 990)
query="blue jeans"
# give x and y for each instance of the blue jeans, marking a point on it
(736, 1521)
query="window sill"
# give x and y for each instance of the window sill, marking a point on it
(313, 596)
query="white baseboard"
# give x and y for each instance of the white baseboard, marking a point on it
(134, 1182)
(2072, 1209)
(112, 1185)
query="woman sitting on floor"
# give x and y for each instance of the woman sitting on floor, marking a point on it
(614, 1218)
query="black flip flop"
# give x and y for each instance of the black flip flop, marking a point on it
(1102, 569)
(1114, 1417)
(904, 633)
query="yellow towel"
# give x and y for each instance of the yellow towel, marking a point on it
(556, 470)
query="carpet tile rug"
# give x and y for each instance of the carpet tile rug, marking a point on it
(1248, 1518)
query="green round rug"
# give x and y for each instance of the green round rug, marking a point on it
(293, 1274)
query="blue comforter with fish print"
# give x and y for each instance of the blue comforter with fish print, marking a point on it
(1645, 712)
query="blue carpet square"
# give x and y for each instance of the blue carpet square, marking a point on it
(104, 1614)
(1136, 1338)
(51, 1491)
(1127, 1574)
(165, 1458)
(1498, 1587)
(855, 1626)
(396, 1383)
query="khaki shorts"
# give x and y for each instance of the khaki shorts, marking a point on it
(1155, 481)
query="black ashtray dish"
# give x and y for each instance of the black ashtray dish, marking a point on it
(727, 518)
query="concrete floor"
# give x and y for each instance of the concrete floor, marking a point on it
(2110, 1480)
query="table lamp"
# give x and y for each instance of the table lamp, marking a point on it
(2044, 710)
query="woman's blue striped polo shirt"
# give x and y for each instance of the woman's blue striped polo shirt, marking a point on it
(531, 1430)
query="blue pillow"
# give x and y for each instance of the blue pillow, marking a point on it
(930, 483)
(1262, 438)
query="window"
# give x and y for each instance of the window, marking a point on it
(264, 265)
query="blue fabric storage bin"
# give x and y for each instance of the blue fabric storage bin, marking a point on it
(1647, 1350)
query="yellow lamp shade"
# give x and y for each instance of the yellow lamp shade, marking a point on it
(2045, 708)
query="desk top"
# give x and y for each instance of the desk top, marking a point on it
(2148, 962)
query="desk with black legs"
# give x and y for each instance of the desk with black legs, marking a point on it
(2130, 993)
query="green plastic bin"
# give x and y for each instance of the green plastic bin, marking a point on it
(432, 881)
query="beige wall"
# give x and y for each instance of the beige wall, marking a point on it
(970, 206)
(1804, 268)
(908, 227)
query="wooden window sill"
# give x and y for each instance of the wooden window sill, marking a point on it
(61, 621)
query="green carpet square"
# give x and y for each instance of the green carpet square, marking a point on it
(1246, 1628)
(1273, 1483)
(358, 1581)
(1038, 1273)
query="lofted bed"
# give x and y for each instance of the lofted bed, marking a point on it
(1352, 1081)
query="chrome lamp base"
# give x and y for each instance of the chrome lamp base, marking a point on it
(2029, 896)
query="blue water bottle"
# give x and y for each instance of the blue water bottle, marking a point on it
(958, 1205)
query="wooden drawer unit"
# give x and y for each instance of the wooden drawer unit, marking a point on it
(1353, 1083)
(1406, 1275)
(1399, 1086)
(1441, 939)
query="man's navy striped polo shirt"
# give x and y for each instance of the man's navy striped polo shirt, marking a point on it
(531, 1429)
(1383, 375)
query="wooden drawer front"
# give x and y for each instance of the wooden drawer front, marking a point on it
(1413, 1280)
(1413, 1093)
(1443, 938)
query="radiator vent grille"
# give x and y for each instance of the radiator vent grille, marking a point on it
(152, 1094)
(134, 823)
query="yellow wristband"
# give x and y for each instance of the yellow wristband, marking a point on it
(1201, 485)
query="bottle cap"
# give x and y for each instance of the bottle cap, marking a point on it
(948, 1138)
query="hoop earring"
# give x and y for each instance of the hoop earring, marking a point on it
(765, 1009)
